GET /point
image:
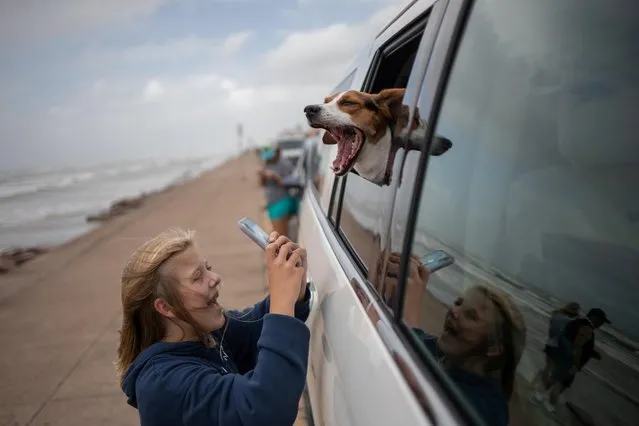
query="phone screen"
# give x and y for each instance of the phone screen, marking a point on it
(254, 232)
(437, 260)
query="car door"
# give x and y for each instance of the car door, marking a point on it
(536, 202)
(354, 378)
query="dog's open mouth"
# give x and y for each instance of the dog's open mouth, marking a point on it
(349, 143)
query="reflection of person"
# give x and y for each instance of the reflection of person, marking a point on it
(558, 320)
(575, 346)
(280, 205)
(183, 360)
(480, 346)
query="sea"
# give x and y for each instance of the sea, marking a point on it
(47, 207)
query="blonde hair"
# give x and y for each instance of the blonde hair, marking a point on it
(143, 281)
(510, 333)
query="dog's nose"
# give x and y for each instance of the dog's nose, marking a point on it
(446, 143)
(311, 109)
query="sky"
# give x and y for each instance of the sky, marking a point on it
(86, 82)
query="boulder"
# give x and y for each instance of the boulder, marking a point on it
(117, 208)
(12, 258)
(6, 265)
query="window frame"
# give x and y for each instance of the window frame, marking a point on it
(416, 29)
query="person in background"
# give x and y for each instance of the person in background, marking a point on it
(184, 360)
(280, 204)
(575, 347)
(558, 320)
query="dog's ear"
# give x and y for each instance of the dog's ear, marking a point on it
(330, 98)
(328, 139)
(392, 98)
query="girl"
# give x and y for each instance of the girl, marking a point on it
(184, 360)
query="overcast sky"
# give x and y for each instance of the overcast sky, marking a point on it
(90, 81)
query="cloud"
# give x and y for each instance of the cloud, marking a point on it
(153, 90)
(321, 55)
(35, 20)
(168, 50)
(182, 98)
(235, 42)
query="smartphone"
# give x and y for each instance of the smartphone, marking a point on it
(437, 260)
(254, 232)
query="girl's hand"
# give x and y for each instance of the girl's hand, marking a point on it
(286, 268)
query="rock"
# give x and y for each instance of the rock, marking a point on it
(6, 265)
(23, 256)
(17, 256)
(117, 208)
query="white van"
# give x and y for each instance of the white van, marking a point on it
(535, 204)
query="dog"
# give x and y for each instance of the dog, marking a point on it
(365, 128)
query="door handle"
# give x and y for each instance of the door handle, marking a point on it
(313, 294)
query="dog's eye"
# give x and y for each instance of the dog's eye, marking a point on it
(370, 104)
(347, 103)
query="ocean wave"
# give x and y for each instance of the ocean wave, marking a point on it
(19, 216)
(29, 198)
(32, 184)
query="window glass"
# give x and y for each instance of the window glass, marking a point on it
(536, 205)
(375, 172)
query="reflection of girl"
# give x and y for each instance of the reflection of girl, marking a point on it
(183, 360)
(483, 338)
(280, 205)
(481, 344)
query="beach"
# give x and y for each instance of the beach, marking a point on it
(60, 312)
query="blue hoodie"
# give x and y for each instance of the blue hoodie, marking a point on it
(254, 377)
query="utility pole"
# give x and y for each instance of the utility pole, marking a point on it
(240, 134)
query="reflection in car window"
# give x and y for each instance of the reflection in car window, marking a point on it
(536, 205)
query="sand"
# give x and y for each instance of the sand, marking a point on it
(59, 313)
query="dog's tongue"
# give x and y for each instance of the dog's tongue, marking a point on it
(344, 147)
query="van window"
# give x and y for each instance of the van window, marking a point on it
(367, 205)
(536, 321)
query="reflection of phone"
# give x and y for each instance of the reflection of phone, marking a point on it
(437, 260)
(254, 232)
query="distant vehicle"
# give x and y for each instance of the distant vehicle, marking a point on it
(291, 149)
